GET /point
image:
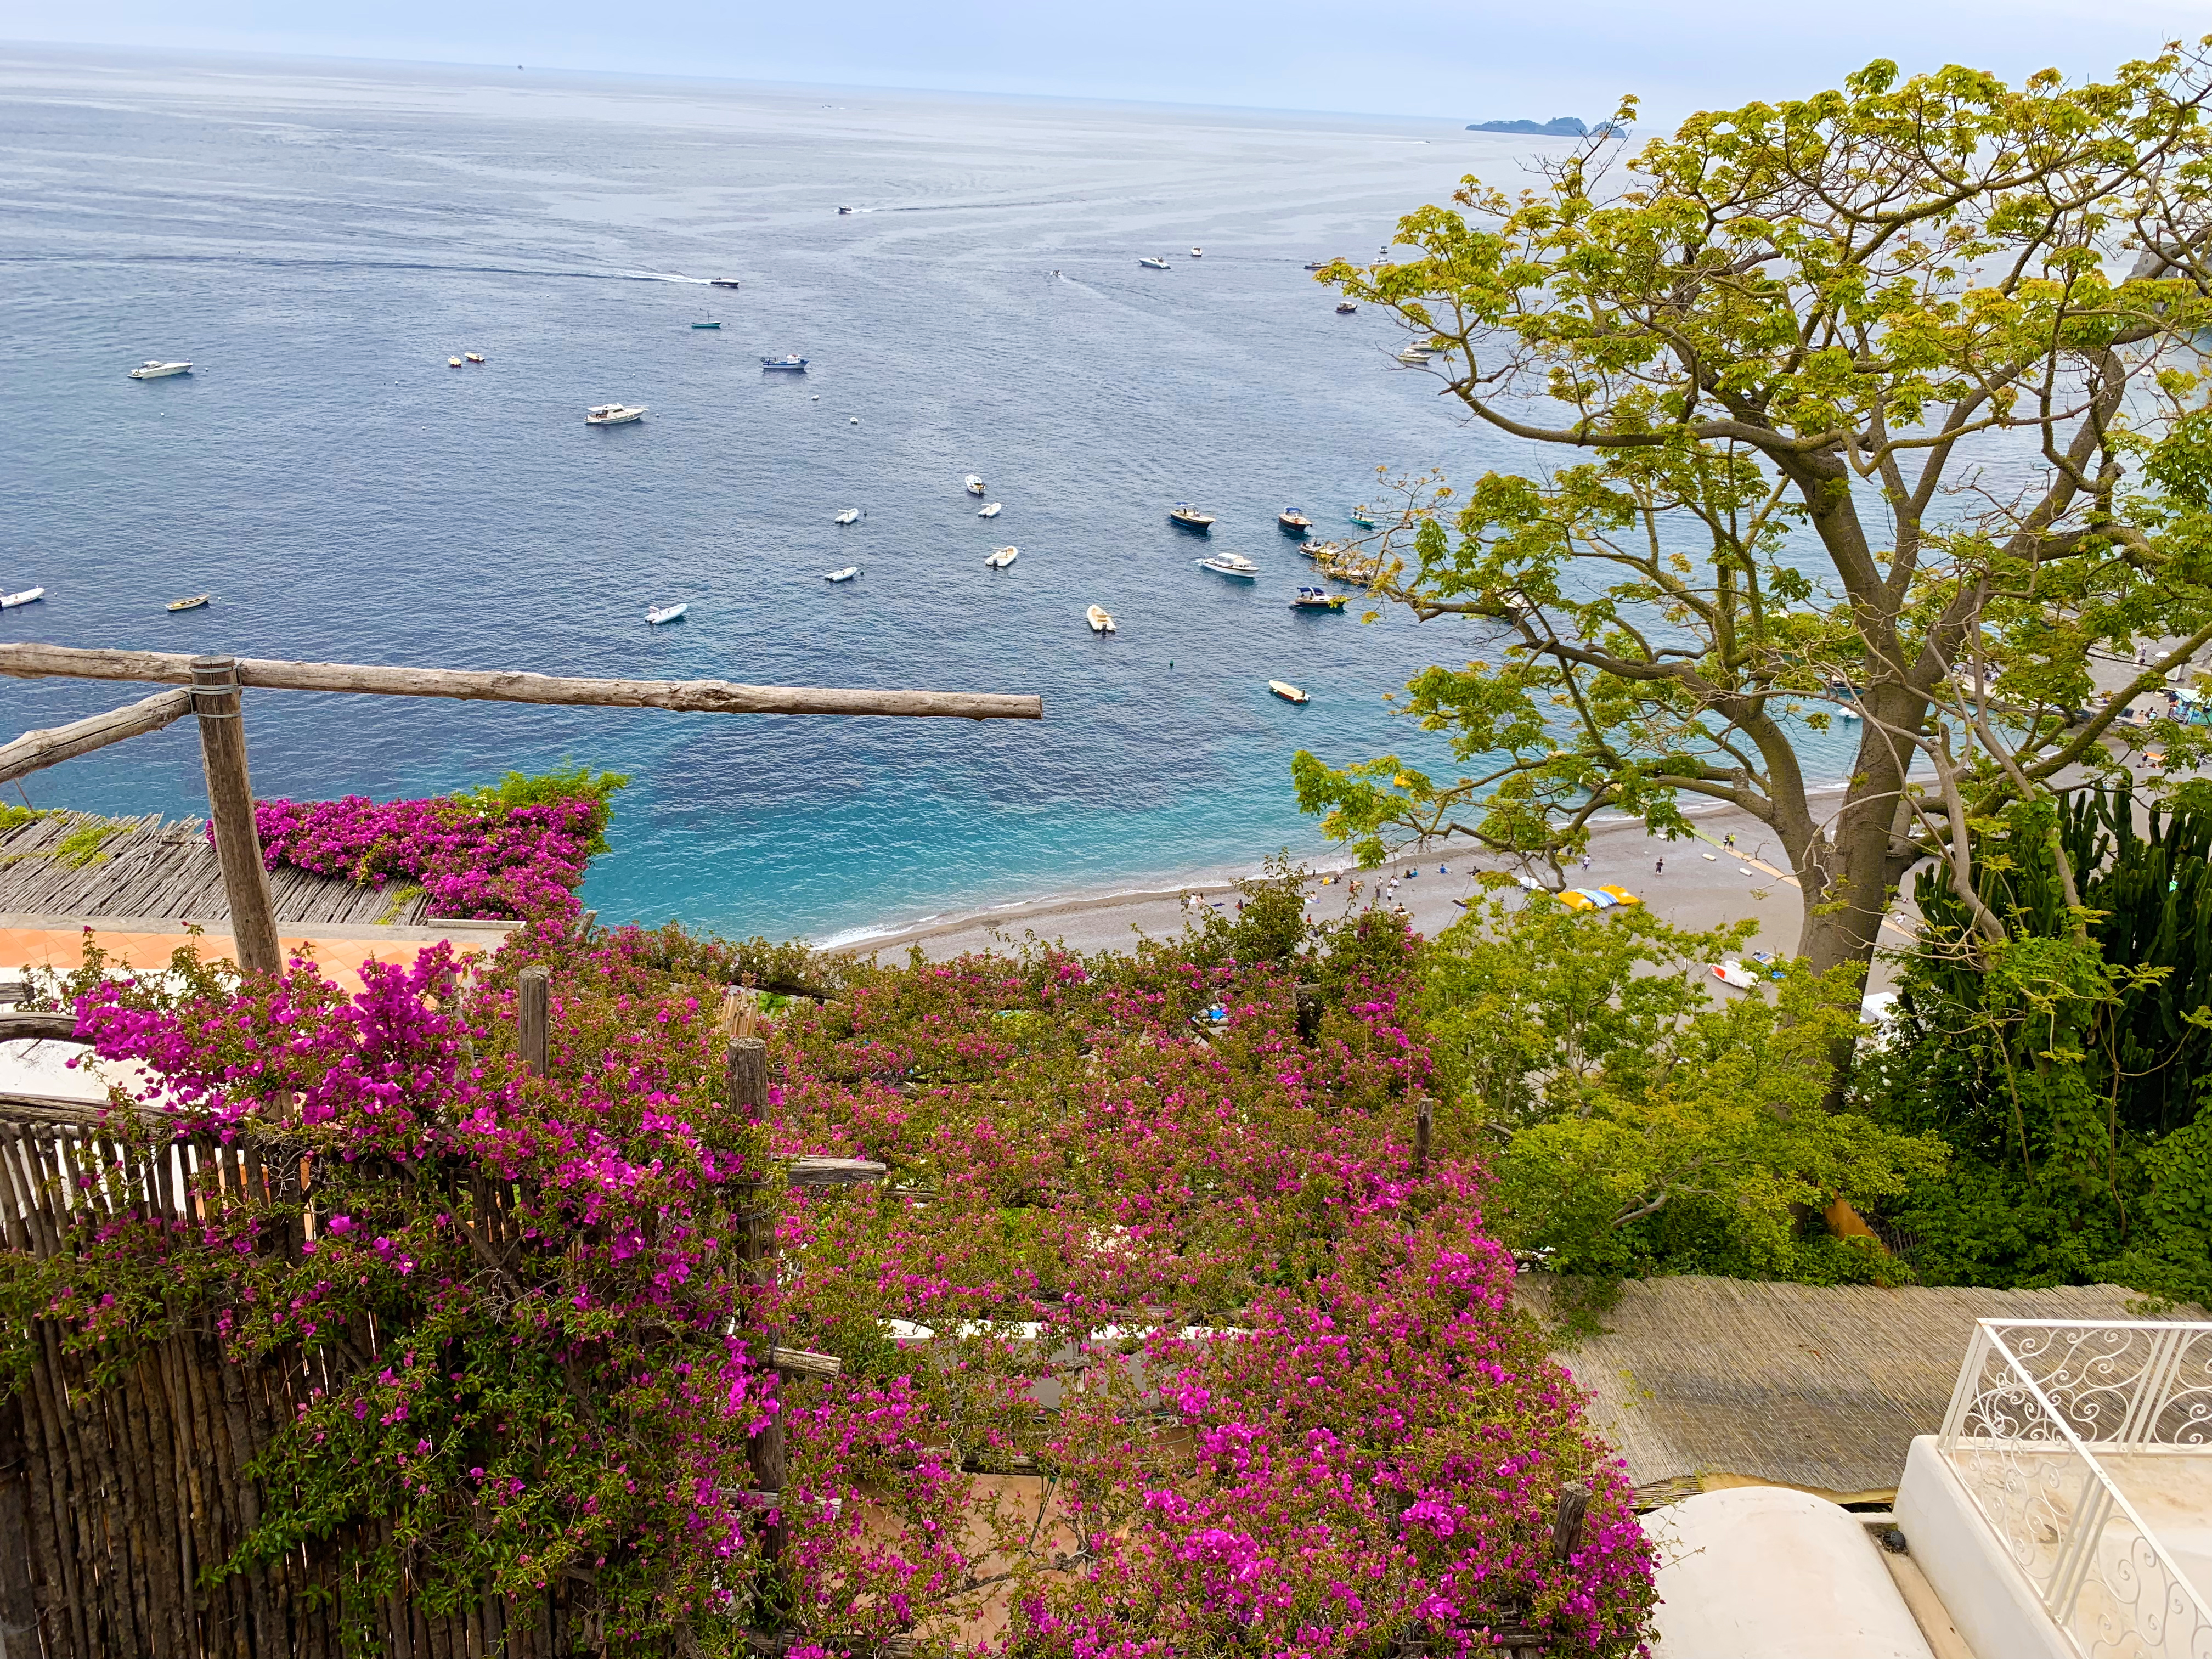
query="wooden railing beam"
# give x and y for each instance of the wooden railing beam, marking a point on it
(51, 745)
(29, 660)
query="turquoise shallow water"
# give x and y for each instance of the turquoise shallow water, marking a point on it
(317, 239)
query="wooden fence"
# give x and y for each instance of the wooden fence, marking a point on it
(117, 1497)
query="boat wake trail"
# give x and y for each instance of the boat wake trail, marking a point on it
(267, 264)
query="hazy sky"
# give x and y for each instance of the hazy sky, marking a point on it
(1474, 59)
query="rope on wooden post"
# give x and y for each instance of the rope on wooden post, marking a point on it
(533, 1018)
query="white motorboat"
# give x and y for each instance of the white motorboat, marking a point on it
(154, 369)
(1198, 253)
(1229, 564)
(791, 361)
(1316, 265)
(1288, 692)
(666, 613)
(613, 415)
(724, 282)
(1000, 557)
(452, 362)
(1160, 264)
(474, 356)
(844, 575)
(972, 484)
(28, 596)
(1414, 355)
(992, 511)
(850, 516)
(1100, 621)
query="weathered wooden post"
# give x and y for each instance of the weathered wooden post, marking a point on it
(748, 1085)
(215, 700)
(533, 1018)
(1567, 1519)
(1424, 1118)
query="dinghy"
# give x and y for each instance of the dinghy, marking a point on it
(666, 613)
(473, 357)
(992, 511)
(1100, 621)
(1000, 557)
(452, 362)
(850, 516)
(1288, 692)
(844, 575)
(28, 596)
(192, 604)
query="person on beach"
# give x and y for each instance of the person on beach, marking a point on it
(1659, 867)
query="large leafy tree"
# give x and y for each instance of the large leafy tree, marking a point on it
(1876, 405)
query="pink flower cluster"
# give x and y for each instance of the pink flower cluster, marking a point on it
(1156, 1341)
(520, 861)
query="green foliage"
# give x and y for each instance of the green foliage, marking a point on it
(2067, 1064)
(80, 846)
(14, 818)
(1773, 348)
(1639, 1127)
(571, 783)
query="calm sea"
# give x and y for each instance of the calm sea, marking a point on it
(317, 239)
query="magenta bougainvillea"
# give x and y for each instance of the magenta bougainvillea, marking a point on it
(523, 861)
(1155, 1342)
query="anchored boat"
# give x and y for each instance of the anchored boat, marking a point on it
(1099, 621)
(154, 369)
(992, 511)
(1229, 564)
(706, 326)
(1160, 264)
(474, 356)
(192, 604)
(1288, 692)
(1317, 598)
(28, 596)
(844, 575)
(1345, 307)
(1190, 517)
(613, 415)
(1293, 520)
(1000, 557)
(666, 613)
(452, 362)
(972, 484)
(850, 516)
(790, 359)
(1362, 517)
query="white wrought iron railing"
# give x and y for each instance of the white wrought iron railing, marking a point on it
(2052, 1422)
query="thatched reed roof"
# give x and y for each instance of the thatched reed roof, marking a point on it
(1703, 1382)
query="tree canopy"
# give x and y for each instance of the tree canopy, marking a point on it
(1880, 404)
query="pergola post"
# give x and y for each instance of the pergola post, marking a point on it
(215, 700)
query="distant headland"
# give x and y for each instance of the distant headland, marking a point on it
(1559, 126)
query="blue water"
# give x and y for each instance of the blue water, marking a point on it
(317, 239)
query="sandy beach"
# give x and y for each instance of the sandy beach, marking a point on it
(1695, 883)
